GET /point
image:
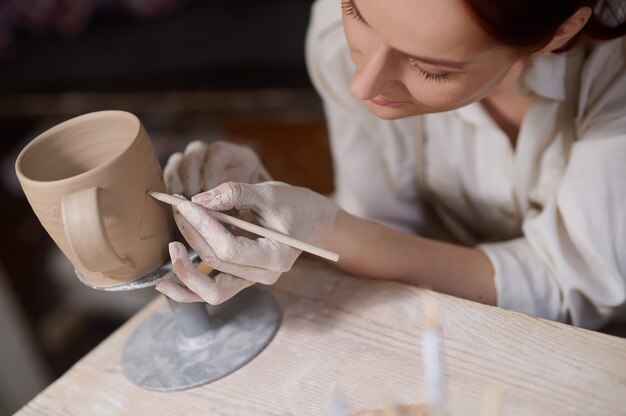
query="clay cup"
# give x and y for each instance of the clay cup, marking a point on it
(88, 181)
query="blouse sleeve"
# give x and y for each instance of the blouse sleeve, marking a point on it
(571, 263)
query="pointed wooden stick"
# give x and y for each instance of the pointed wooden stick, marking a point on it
(432, 357)
(255, 229)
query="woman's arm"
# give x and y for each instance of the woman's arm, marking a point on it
(372, 250)
(366, 248)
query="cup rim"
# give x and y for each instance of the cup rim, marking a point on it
(45, 134)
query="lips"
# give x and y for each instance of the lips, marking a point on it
(385, 102)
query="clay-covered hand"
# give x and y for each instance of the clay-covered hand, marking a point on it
(241, 261)
(203, 166)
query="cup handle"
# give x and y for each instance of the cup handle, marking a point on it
(86, 234)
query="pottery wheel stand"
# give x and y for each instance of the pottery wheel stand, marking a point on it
(190, 344)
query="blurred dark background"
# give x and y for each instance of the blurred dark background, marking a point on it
(190, 69)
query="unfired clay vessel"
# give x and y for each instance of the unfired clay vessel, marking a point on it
(88, 181)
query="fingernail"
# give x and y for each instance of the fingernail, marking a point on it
(203, 198)
(174, 249)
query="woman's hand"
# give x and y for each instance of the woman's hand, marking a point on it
(203, 166)
(294, 211)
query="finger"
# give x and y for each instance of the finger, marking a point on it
(261, 260)
(230, 162)
(192, 167)
(171, 176)
(263, 175)
(253, 273)
(210, 258)
(212, 290)
(235, 195)
(177, 292)
(261, 253)
(198, 243)
(186, 272)
(191, 235)
(228, 285)
(210, 230)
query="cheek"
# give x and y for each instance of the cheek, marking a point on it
(454, 93)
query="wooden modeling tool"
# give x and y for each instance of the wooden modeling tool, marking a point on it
(255, 229)
(403, 410)
(338, 405)
(431, 355)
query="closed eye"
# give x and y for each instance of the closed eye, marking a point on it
(429, 76)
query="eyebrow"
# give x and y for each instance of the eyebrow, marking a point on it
(431, 61)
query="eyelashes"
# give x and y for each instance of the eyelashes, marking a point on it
(350, 10)
(429, 76)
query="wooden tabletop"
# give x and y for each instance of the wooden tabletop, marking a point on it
(359, 340)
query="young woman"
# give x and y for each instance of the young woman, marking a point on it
(479, 149)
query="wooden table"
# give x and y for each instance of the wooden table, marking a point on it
(361, 339)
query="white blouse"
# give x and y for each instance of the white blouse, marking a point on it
(550, 214)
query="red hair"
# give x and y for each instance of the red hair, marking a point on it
(529, 25)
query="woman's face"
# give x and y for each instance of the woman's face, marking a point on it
(420, 56)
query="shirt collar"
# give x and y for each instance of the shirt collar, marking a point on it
(545, 76)
(475, 114)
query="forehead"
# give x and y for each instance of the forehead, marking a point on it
(434, 28)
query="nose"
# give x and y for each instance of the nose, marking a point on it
(373, 71)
